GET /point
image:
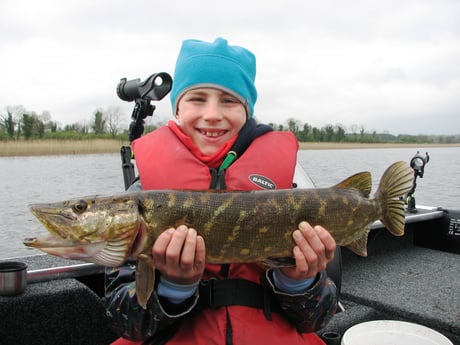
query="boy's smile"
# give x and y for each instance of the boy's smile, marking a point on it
(210, 117)
(212, 133)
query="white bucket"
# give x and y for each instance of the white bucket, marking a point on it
(385, 332)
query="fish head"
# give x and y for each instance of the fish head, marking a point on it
(101, 230)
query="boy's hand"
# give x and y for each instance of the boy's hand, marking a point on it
(179, 254)
(313, 251)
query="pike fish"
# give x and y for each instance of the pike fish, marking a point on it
(237, 226)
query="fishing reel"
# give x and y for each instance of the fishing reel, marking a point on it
(417, 163)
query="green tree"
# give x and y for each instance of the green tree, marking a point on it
(27, 126)
(8, 124)
(305, 133)
(32, 126)
(14, 120)
(99, 122)
(293, 125)
(340, 133)
(316, 134)
(329, 134)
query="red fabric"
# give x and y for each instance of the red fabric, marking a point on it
(249, 327)
(213, 160)
(123, 341)
(272, 155)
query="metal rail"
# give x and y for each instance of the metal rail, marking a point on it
(63, 272)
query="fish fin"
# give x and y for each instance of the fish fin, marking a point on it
(359, 246)
(361, 181)
(279, 261)
(396, 182)
(394, 219)
(145, 279)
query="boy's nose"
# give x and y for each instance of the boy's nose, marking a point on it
(213, 112)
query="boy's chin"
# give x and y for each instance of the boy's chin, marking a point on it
(209, 151)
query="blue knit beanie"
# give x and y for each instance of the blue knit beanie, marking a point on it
(217, 65)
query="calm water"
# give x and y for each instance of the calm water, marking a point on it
(25, 180)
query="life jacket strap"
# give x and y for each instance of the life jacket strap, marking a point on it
(216, 293)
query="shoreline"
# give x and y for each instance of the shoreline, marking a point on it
(52, 147)
(358, 146)
(101, 146)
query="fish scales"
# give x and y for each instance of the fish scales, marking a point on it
(236, 225)
(254, 226)
(248, 226)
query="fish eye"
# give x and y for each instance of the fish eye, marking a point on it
(80, 206)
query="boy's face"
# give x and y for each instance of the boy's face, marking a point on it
(210, 117)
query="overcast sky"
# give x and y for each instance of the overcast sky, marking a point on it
(390, 66)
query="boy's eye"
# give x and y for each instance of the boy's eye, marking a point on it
(196, 99)
(230, 100)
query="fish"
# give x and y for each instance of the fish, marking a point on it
(237, 226)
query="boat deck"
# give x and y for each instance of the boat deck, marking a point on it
(398, 281)
(401, 281)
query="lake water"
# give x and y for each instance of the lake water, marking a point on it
(25, 180)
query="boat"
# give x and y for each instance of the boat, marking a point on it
(413, 278)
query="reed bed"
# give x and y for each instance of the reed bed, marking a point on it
(58, 147)
(94, 146)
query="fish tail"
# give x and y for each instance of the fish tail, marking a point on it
(396, 182)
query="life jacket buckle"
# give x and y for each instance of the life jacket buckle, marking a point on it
(207, 293)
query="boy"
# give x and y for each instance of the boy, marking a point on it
(216, 144)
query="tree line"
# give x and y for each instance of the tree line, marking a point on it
(356, 134)
(16, 123)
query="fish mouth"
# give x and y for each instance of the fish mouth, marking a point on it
(50, 241)
(72, 239)
(110, 252)
(67, 249)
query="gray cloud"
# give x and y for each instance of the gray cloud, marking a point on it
(387, 65)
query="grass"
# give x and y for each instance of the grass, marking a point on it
(58, 147)
(94, 146)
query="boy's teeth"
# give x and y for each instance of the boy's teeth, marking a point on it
(212, 134)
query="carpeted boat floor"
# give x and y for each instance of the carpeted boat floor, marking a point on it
(400, 281)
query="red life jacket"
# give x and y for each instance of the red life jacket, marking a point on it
(163, 162)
